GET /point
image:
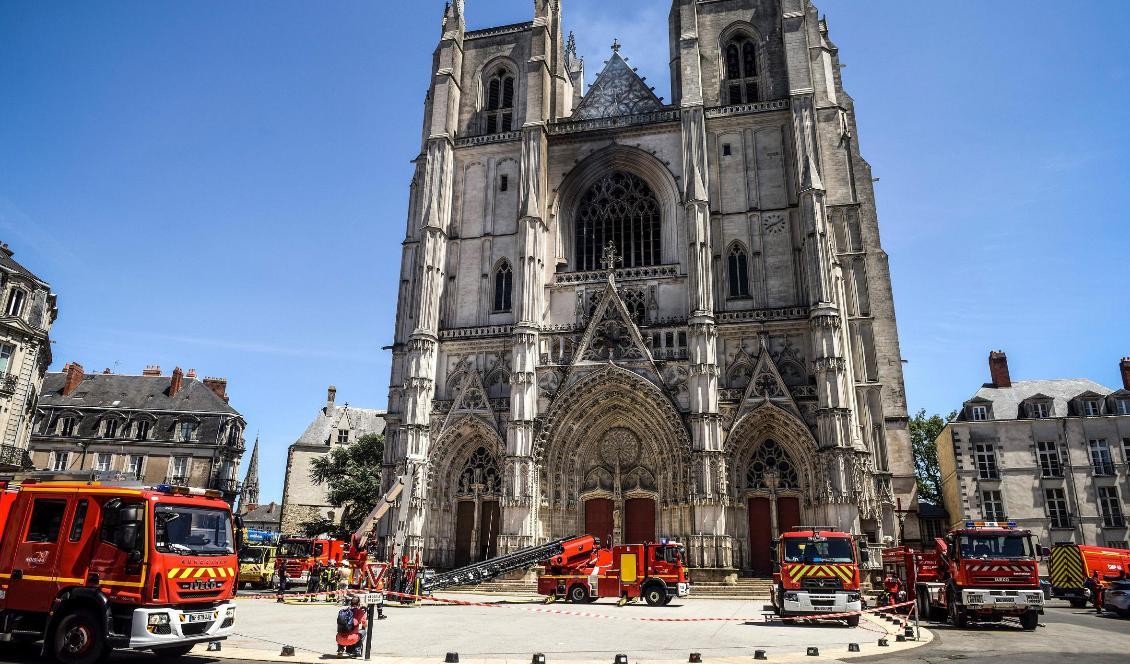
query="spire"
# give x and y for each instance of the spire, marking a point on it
(571, 49)
(249, 494)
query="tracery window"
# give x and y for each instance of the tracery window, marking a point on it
(503, 287)
(738, 272)
(741, 71)
(480, 472)
(620, 208)
(770, 457)
(499, 106)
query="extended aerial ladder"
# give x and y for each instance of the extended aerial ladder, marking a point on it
(521, 559)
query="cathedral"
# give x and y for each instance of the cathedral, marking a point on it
(644, 319)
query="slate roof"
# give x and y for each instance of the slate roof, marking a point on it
(269, 513)
(132, 393)
(10, 264)
(1007, 400)
(362, 421)
(618, 90)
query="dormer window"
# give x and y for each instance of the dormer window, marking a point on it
(16, 301)
(1123, 406)
(1092, 407)
(110, 428)
(68, 426)
(741, 84)
(978, 413)
(186, 431)
(343, 436)
(499, 102)
(1039, 410)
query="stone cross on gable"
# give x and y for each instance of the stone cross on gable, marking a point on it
(609, 258)
(615, 45)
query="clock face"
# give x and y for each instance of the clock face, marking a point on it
(774, 223)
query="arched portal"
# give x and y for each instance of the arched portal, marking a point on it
(614, 459)
(464, 495)
(771, 459)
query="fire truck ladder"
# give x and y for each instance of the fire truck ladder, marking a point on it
(495, 567)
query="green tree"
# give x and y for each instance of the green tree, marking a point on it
(352, 477)
(924, 431)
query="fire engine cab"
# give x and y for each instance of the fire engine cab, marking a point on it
(585, 572)
(87, 567)
(299, 554)
(817, 573)
(985, 571)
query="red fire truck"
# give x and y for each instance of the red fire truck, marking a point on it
(585, 572)
(299, 554)
(87, 567)
(817, 573)
(1071, 565)
(986, 571)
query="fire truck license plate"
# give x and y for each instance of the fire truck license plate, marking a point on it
(197, 617)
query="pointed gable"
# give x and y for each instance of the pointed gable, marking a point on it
(617, 91)
(766, 386)
(471, 400)
(612, 335)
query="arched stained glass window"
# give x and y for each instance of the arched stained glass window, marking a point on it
(771, 458)
(738, 272)
(480, 472)
(499, 105)
(741, 85)
(503, 287)
(622, 209)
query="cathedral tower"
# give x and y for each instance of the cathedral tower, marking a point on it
(639, 318)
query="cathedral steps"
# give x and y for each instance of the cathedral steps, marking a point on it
(743, 589)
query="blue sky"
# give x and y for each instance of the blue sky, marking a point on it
(222, 186)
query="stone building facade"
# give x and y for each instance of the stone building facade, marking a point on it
(645, 319)
(27, 312)
(158, 429)
(1052, 455)
(303, 501)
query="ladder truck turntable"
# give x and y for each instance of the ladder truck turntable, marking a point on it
(88, 567)
(982, 572)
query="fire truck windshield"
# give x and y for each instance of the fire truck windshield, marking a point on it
(670, 554)
(996, 546)
(830, 550)
(253, 555)
(294, 549)
(197, 531)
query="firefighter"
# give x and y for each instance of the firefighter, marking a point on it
(893, 586)
(1094, 585)
(315, 584)
(281, 565)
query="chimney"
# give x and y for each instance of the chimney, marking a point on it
(177, 382)
(152, 370)
(998, 369)
(73, 376)
(219, 386)
(1125, 367)
(331, 395)
(106, 371)
(191, 373)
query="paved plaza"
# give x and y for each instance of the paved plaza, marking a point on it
(510, 628)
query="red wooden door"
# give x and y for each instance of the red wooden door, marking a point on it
(489, 520)
(598, 519)
(464, 529)
(788, 514)
(639, 521)
(760, 536)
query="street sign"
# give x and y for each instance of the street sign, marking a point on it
(369, 599)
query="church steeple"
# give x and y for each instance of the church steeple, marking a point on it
(249, 494)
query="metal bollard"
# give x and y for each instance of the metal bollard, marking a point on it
(452, 658)
(813, 652)
(853, 647)
(759, 654)
(287, 651)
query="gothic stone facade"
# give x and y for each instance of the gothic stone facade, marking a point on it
(645, 319)
(27, 312)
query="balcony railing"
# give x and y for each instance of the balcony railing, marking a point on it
(1102, 468)
(230, 487)
(15, 457)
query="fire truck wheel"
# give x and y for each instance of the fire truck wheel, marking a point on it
(668, 600)
(79, 639)
(175, 651)
(853, 621)
(654, 595)
(1029, 620)
(578, 594)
